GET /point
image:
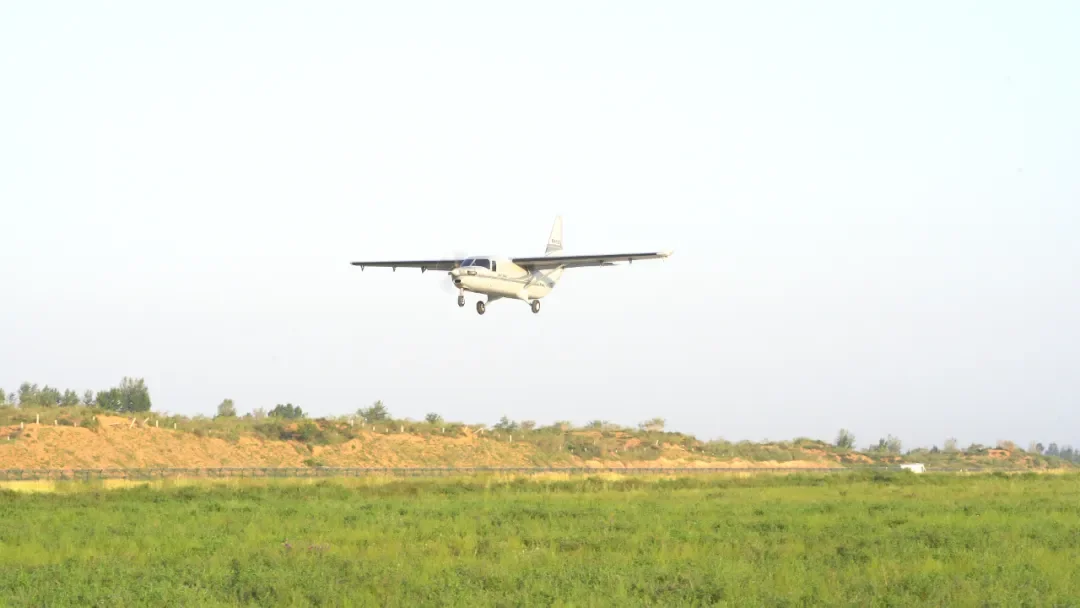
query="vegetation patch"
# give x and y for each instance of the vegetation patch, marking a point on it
(856, 539)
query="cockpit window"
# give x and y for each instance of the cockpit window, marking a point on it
(481, 262)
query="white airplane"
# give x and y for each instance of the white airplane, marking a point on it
(527, 279)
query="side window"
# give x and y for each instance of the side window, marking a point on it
(492, 265)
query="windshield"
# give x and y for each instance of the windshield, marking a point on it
(483, 263)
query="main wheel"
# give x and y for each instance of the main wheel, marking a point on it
(480, 307)
(461, 301)
(535, 306)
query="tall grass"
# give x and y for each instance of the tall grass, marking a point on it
(858, 540)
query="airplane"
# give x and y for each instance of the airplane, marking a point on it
(527, 279)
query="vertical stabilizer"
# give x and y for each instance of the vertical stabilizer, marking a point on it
(554, 243)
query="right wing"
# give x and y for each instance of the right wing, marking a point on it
(423, 265)
(578, 261)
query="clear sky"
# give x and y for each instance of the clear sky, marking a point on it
(874, 207)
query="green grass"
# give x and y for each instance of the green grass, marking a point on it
(851, 540)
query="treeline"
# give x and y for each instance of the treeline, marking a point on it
(845, 440)
(131, 395)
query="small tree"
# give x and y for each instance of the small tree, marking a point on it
(950, 445)
(528, 425)
(50, 397)
(70, 398)
(433, 418)
(287, 411)
(845, 439)
(28, 394)
(258, 413)
(653, 425)
(108, 400)
(226, 409)
(376, 413)
(505, 424)
(88, 398)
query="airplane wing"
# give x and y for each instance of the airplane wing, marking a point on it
(578, 261)
(423, 265)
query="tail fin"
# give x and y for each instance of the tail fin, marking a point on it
(554, 243)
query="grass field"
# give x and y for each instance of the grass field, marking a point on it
(857, 540)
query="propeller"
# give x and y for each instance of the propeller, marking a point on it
(446, 284)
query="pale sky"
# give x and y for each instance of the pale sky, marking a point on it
(874, 207)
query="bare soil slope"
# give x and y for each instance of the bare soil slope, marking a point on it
(118, 444)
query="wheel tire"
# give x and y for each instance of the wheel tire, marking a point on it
(461, 301)
(535, 306)
(480, 308)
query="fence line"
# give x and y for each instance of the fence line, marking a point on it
(328, 472)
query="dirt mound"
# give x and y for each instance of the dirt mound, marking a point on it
(123, 443)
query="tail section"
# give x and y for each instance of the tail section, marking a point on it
(554, 243)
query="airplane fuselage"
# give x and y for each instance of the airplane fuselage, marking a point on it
(501, 278)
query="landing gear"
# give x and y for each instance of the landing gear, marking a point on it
(461, 301)
(535, 305)
(480, 307)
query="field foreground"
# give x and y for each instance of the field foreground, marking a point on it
(858, 539)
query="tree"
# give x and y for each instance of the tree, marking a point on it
(88, 398)
(845, 439)
(287, 411)
(505, 424)
(889, 444)
(109, 399)
(70, 398)
(528, 425)
(653, 425)
(258, 413)
(1067, 453)
(28, 394)
(50, 397)
(950, 444)
(433, 418)
(376, 413)
(3, 397)
(135, 395)
(226, 409)
(1052, 450)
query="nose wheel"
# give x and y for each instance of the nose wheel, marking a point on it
(461, 301)
(480, 308)
(535, 305)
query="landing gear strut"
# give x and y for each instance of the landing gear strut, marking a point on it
(480, 308)
(535, 305)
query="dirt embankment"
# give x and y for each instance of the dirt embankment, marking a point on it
(116, 443)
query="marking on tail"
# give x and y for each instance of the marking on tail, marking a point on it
(555, 240)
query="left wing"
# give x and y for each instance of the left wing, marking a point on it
(423, 265)
(577, 261)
